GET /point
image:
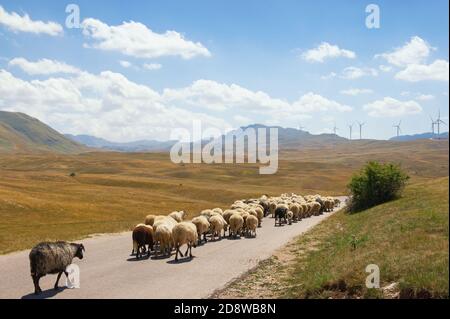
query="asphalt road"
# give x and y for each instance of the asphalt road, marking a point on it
(108, 270)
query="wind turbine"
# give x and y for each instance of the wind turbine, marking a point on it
(360, 129)
(300, 127)
(438, 123)
(398, 128)
(350, 126)
(432, 125)
(335, 129)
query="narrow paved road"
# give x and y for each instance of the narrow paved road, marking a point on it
(107, 271)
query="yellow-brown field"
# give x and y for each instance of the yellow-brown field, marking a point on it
(111, 192)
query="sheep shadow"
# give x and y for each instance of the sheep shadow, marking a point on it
(158, 257)
(133, 258)
(45, 294)
(181, 260)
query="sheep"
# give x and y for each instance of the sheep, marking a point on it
(217, 224)
(272, 207)
(236, 224)
(290, 216)
(251, 224)
(163, 235)
(295, 209)
(227, 214)
(202, 224)
(178, 216)
(281, 214)
(168, 222)
(142, 235)
(52, 258)
(149, 220)
(218, 210)
(259, 215)
(316, 209)
(184, 233)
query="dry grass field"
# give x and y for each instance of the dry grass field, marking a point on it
(111, 192)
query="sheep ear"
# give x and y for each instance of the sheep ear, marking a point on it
(82, 247)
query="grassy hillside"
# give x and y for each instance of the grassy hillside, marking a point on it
(407, 238)
(22, 133)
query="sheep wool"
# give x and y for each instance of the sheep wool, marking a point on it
(52, 258)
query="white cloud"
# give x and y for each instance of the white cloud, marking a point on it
(311, 102)
(390, 107)
(436, 71)
(106, 105)
(385, 68)
(352, 73)
(135, 39)
(425, 97)
(405, 93)
(17, 23)
(43, 66)
(216, 96)
(329, 76)
(355, 92)
(326, 51)
(111, 106)
(125, 64)
(152, 66)
(413, 52)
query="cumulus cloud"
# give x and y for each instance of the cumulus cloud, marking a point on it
(355, 92)
(18, 23)
(413, 52)
(436, 71)
(152, 66)
(125, 64)
(385, 68)
(43, 66)
(135, 39)
(390, 107)
(425, 97)
(111, 106)
(326, 51)
(352, 73)
(330, 75)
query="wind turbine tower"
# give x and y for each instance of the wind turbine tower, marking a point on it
(350, 126)
(438, 124)
(398, 128)
(360, 129)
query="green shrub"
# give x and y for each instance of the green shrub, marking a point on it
(376, 184)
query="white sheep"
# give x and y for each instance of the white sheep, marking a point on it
(251, 224)
(202, 224)
(217, 224)
(184, 233)
(236, 224)
(178, 216)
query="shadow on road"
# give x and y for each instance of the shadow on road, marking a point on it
(181, 260)
(45, 294)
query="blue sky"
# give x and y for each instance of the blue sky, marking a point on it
(231, 63)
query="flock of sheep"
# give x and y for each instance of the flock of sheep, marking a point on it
(163, 233)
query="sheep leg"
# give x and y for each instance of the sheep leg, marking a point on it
(187, 250)
(37, 289)
(176, 254)
(190, 251)
(57, 280)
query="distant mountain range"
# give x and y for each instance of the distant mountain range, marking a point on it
(22, 133)
(428, 135)
(137, 146)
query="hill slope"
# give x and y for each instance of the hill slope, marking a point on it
(407, 238)
(428, 135)
(22, 133)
